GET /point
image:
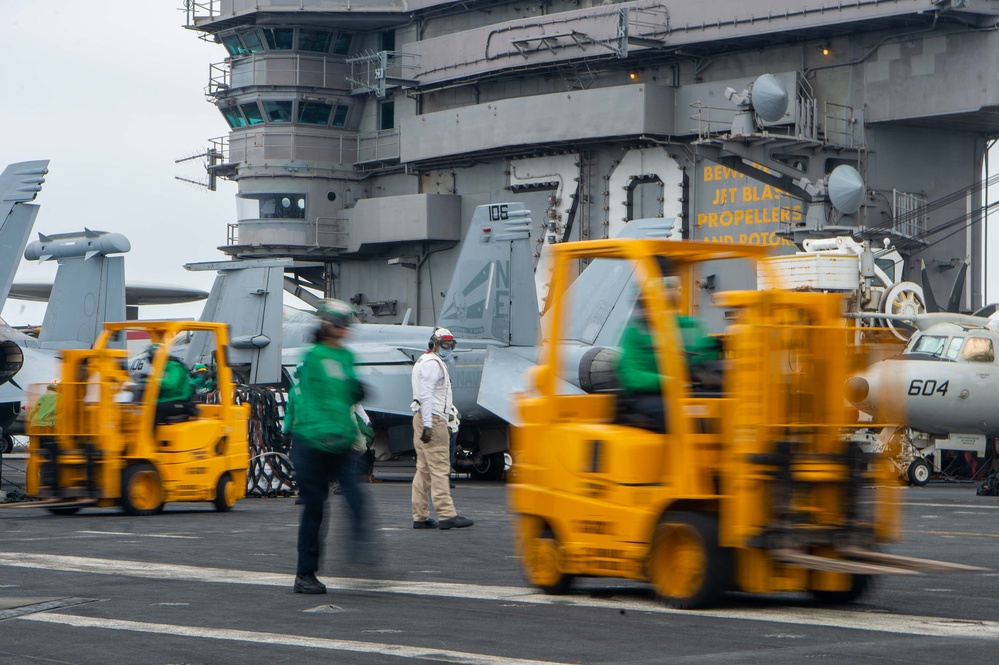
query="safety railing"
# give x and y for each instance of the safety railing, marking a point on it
(908, 214)
(379, 146)
(377, 71)
(200, 9)
(330, 232)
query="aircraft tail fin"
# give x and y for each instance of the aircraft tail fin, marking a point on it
(19, 184)
(89, 287)
(601, 297)
(492, 293)
(956, 292)
(248, 295)
(601, 303)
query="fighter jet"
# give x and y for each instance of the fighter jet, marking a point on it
(490, 303)
(490, 306)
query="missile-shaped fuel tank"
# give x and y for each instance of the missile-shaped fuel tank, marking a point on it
(73, 245)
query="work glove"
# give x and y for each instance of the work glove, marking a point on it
(425, 437)
(358, 392)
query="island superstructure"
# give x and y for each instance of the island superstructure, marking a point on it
(362, 132)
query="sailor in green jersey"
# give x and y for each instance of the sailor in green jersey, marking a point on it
(320, 417)
(41, 424)
(640, 403)
(202, 379)
(176, 390)
(43, 413)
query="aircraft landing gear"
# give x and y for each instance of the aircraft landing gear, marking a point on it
(918, 472)
(487, 467)
(480, 466)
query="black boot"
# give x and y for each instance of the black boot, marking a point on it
(309, 584)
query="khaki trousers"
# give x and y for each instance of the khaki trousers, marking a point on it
(433, 472)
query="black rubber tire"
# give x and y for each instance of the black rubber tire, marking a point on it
(222, 501)
(859, 586)
(6, 444)
(919, 472)
(65, 510)
(488, 467)
(138, 496)
(687, 567)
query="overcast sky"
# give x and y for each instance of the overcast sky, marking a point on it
(112, 93)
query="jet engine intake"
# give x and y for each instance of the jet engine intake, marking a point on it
(598, 369)
(11, 360)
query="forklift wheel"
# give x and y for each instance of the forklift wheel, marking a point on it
(541, 557)
(65, 510)
(686, 566)
(225, 494)
(918, 472)
(859, 585)
(141, 490)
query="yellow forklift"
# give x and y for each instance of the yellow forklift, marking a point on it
(106, 448)
(748, 484)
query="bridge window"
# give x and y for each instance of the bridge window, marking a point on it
(277, 111)
(234, 45)
(979, 350)
(314, 113)
(310, 40)
(280, 206)
(314, 40)
(251, 40)
(280, 39)
(342, 44)
(340, 115)
(233, 117)
(242, 43)
(252, 113)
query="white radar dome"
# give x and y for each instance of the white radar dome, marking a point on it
(769, 98)
(846, 189)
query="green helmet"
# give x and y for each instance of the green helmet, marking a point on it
(336, 312)
(198, 367)
(152, 349)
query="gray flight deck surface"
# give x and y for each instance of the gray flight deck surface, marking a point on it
(192, 586)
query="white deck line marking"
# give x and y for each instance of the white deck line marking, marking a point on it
(138, 535)
(984, 506)
(803, 616)
(965, 534)
(380, 648)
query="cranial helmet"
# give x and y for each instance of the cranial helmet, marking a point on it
(152, 349)
(442, 335)
(335, 312)
(198, 367)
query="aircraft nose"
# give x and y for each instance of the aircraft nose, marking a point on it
(857, 390)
